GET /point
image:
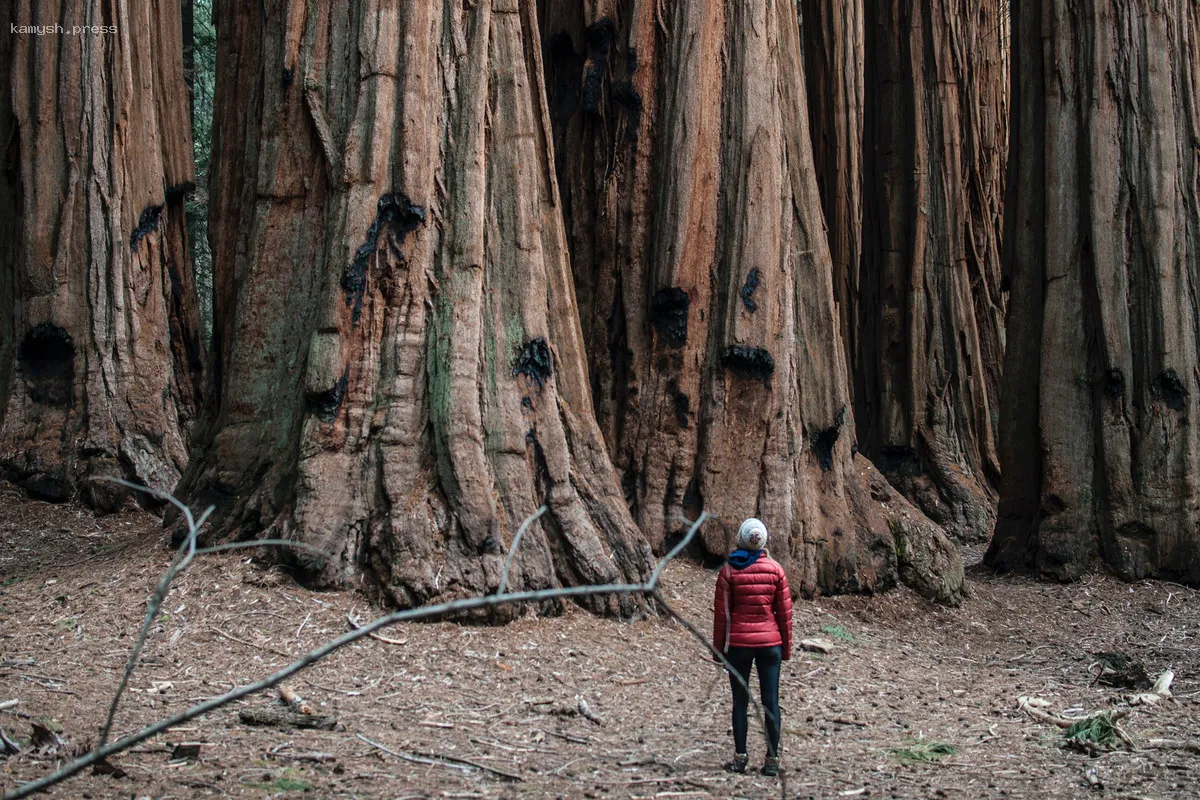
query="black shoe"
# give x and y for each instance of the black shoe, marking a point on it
(770, 767)
(740, 760)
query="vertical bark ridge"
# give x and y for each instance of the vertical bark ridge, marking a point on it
(1102, 383)
(932, 307)
(834, 55)
(696, 230)
(388, 221)
(101, 360)
(10, 208)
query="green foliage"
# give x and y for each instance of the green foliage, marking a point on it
(283, 784)
(204, 48)
(1098, 730)
(837, 632)
(288, 781)
(203, 82)
(923, 751)
(50, 724)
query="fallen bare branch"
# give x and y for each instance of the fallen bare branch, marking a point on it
(1031, 708)
(7, 746)
(285, 718)
(251, 645)
(414, 759)
(186, 552)
(650, 588)
(183, 557)
(294, 701)
(355, 625)
(315, 757)
(1174, 744)
(512, 776)
(587, 712)
(844, 721)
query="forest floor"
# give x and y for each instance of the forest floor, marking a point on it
(903, 675)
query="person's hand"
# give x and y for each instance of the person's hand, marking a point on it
(787, 655)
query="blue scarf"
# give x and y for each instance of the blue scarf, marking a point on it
(740, 559)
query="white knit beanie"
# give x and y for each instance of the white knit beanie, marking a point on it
(752, 535)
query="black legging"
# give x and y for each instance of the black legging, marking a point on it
(768, 660)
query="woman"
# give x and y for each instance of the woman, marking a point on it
(752, 624)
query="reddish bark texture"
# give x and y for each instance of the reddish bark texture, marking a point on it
(100, 360)
(706, 289)
(833, 69)
(1099, 438)
(400, 377)
(930, 312)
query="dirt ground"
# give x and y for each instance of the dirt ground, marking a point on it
(470, 698)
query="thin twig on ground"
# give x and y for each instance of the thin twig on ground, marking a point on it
(410, 757)
(355, 625)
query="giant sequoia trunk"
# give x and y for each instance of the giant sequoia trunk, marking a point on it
(833, 69)
(1100, 420)
(100, 352)
(930, 339)
(10, 185)
(705, 284)
(400, 376)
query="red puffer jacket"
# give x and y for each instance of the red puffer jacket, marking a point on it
(753, 607)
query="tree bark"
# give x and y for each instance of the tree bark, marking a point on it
(10, 187)
(100, 362)
(834, 53)
(1098, 434)
(189, 53)
(706, 289)
(931, 309)
(400, 379)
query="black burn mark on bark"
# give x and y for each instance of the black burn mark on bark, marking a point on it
(749, 288)
(1169, 389)
(629, 486)
(628, 98)
(47, 361)
(896, 460)
(534, 361)
(693, 501)
(749, 362)
(565, 65)
(289, 75)
(180, 191)
(669, 313)
(598, 38)
(491, 542)
(1114, 384)
(324, 405)
(823, 441)
(53, 488)
(681, 402)
(147, 224)
(404, 217)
